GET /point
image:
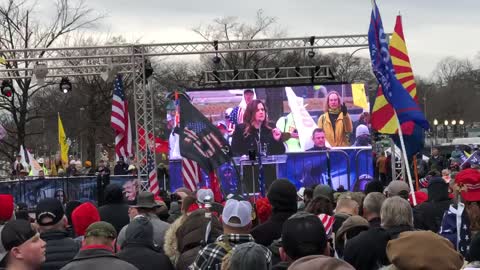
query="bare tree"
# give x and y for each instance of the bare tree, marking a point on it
(455, 91)
(20, 30)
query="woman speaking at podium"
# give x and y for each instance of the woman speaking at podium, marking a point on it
(255, 132)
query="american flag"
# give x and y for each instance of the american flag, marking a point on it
(190, 174)
(152, 173)
(120, 121)
(456, 228)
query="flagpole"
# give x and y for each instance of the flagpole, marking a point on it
(404, 153)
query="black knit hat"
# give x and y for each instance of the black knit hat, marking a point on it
(282, 195)
(49, 208)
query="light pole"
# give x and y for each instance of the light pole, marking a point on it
(454, 126)
(445, 129)
(462, 128)
(435, 130)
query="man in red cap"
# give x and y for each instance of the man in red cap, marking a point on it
(467, 182)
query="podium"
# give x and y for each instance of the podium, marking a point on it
(250, 168)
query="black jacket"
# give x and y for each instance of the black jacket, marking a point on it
(367, 250)
(436, 163)
(271, 230)
(97, 259)
(120, 169)
(139, 249)
(115, 211)
(281, 266)
(241, 144)
(316, 148)
(60, 249)
(428, 215)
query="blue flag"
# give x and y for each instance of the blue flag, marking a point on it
(403, 104)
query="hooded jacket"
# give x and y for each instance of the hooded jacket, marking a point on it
(139, 248)
(428, 215)
(282, 195)
(191, 237)
(159, 229)
(115, 210)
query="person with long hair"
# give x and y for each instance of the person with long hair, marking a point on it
(256, 130)
(335, 120)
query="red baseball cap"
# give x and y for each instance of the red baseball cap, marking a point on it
(469, 179)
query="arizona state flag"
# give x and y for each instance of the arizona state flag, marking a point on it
(383, 116)
(200, 140)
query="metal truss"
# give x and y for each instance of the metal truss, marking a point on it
(269, 75)
(92, 61)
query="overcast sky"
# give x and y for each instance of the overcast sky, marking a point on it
(434, 29)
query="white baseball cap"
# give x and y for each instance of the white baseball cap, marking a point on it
(238, 209)
(203, 193)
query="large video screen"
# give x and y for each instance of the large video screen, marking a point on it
(308, 117)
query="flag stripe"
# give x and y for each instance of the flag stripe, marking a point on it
(190, 174)
(120, 121)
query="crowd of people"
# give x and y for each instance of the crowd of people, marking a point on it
(311, 228)
(75, 167)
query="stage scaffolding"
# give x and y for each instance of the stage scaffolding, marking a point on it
(131, 59)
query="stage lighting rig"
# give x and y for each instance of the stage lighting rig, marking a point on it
(216, 59)
(148, 69)
(65, 85)
(7, 88)
(311, 53)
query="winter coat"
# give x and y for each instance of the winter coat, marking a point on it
(343, 126)
(139, 249)
(120, 169)
(436, 163)
(170, 247)
(60, 249)
(271, 230)
(114, 211)
(159, 229)
(90, 258)
(428, 215)
(191, 237)
(367, 250)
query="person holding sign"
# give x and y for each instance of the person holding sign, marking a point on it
(335, 120)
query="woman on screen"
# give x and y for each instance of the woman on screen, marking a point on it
(255, 130)
(335, 120)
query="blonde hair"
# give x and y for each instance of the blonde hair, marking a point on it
(325, 106)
